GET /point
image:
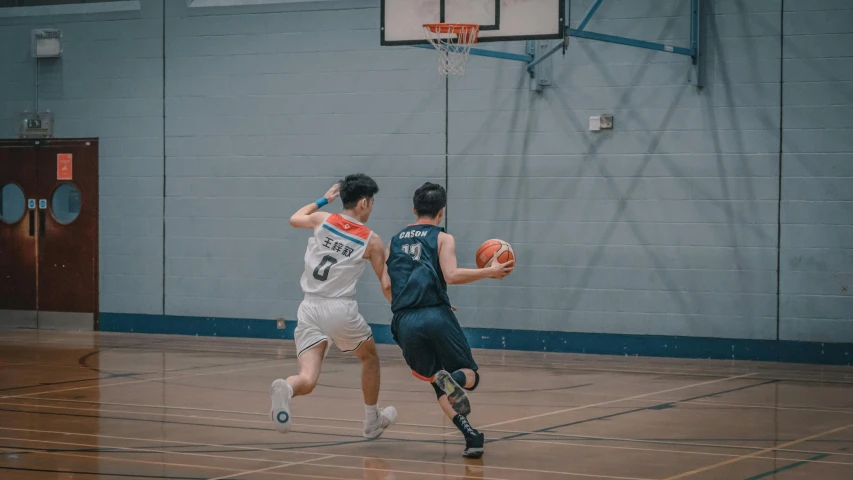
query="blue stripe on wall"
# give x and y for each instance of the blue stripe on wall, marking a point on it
(505, 339)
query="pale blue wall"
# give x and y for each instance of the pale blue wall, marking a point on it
(666, 225)
(108, 84)
(817, 187)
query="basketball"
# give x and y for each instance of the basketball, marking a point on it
(488, 249)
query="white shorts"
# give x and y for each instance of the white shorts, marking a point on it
(324, 319)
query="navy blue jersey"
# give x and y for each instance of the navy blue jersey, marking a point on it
(416, 278)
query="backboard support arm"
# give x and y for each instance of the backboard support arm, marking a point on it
(694, 51)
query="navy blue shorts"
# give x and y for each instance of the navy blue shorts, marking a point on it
(432, 340)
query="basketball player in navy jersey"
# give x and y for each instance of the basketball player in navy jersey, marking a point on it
(421, 262)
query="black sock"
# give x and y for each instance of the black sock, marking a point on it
(459, 377)
(464, 427)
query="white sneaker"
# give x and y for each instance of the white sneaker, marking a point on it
(280, 394)
(387, 417)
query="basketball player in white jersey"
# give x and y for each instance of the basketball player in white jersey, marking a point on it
(334, 261)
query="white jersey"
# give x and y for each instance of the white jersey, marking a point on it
(334, 259)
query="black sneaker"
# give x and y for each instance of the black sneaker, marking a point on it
(474, 446)
(455, 394)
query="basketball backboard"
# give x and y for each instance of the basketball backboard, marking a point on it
(500, 20)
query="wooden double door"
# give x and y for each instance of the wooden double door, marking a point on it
(49, 233)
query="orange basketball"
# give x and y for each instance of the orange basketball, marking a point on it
(488, 249)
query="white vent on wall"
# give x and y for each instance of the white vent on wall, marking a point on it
(46, 43)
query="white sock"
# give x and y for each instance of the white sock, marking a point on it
(372, 412)
(289, 390)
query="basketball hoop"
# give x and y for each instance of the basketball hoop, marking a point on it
(453, 42)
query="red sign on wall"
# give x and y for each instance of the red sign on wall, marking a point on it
(63, 166)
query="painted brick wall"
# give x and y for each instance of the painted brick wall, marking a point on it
(667, 225)
(266, 107)
(108, 84)
(817, 190)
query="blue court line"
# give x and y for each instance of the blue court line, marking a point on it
(510, 339)
(789, 467)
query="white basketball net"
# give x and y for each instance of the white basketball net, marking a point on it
(453, 43)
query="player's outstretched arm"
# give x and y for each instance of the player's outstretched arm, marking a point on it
(376, 254)
(458, 276)
(309, 216)
(386, 279)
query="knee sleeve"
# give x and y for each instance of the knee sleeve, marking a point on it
(476, 382)
(438, 392)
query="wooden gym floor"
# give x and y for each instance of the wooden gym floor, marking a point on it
(80, 405)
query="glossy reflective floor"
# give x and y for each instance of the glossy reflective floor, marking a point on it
(82, 405)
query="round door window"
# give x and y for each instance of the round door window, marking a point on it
(65, 203)
(12, 203)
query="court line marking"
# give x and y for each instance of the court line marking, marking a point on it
(156, 414)
(665, 442)
(118, 449)
(242, 412)
(280, 464)
(609, 402)
(444, 475)
(396, 431)
(164, 463)
(267, 344)
(700, 369)
(307, 452)
(264, 344)
(98, 458)
(108, 449)
(849, 464)
(760, 452)
(770, 407)
(781, 376)
(50, 392)
(274, 467)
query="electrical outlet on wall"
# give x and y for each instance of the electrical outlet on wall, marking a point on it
(279, 323)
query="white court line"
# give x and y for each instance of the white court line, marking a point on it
(601, 404)
(769, 375)
(100, 458)
(730, 455)
(700, 371)
(50, 392)
(767, 407)
(274, 467)
(146, 450)
(235, 412)
(261, 460)
(444, 475)
(443, 427)
(756, 454)
(669, 442)
(221, 419)
(306, 452)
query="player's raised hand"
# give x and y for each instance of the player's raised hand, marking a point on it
(500, 270)
(333, 192)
